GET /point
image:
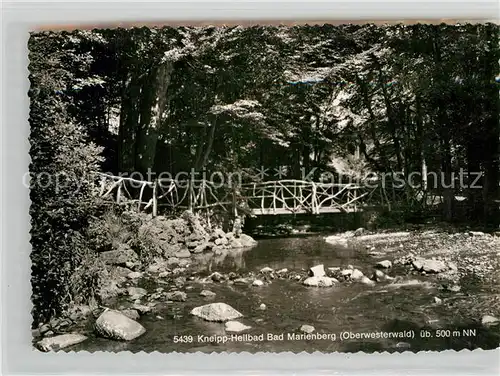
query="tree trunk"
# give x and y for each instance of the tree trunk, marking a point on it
(154, 104)
(492, 159)
(129, 118)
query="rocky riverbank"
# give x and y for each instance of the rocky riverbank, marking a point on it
(134, 248)
(433, 260)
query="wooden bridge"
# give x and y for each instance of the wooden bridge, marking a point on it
(259, 198)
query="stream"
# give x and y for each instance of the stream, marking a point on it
(347, 306)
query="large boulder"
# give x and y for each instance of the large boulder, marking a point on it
(319, 281)
(60, 342)
(317, 271)
(247, 241)
(429, 265)
(122, 256)
(115, 325)
(220, 312)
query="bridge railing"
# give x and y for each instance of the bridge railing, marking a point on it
(298, 196)
(259, 198)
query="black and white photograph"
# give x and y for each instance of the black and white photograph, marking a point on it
(279, 187)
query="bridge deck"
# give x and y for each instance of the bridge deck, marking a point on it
(281, 211)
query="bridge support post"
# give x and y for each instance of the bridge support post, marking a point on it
(314, 202)
(190, 194)
(155, 200)
(235, 209)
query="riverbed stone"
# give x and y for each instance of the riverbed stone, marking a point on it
(220, 312)
(60, 341)
(183, 253)
(267, 269)
(410, 283)
(207, 293)
(141, 308)
(378, 275)
(360, 231)
(216, 277)
(176, 296)
(79, 312)
(134, 275)
(219, 233)
(172, 261)
(346, 273)
(437, 300)
(356, 275)
(235, 243)
(221, 241)
(385, 264)
(202, 247)
(308, 329)
(257, 283)
(115, 325)
(317, 271)
(262, 307)
(282, 271)
(337, 240)
(192, 244)
(319, 281)
(44, 329)
(235, 326)
(131, 314)
(488, 320)
(366, 281)
(241, 281)
(136, 292)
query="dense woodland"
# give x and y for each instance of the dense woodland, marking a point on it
(346, 99)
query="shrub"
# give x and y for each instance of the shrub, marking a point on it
(62, 169)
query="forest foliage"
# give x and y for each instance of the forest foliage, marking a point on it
(401, 98)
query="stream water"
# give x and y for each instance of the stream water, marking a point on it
(351, 307)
